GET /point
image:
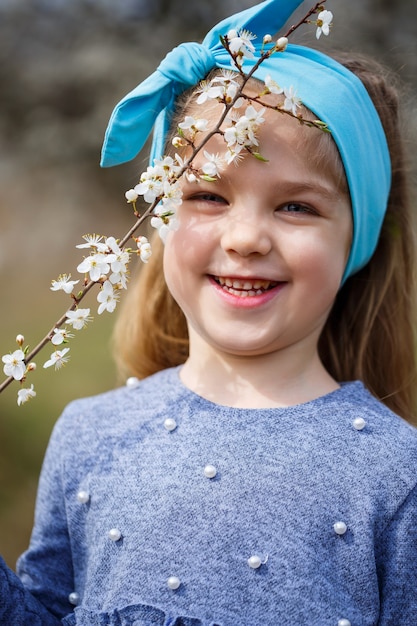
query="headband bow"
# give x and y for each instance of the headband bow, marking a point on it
(333, 93)
(133, 118)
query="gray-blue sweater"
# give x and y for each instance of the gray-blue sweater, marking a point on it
(221, 516)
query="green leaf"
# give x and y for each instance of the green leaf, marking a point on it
(259, 157)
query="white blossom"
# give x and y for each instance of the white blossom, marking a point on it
(79, 318)
(64, 283)
(291, 102)
(324, 21)
(240, 44)
(119, 279)
(93, 241)
(164, 224)
(253, 116)
(234, 155)
(227, 77)
(96, 265)
(213, 165)
(119, 263)
(188, 173)
(145, 249)
(192, 124)
(229, 84)
(272, 85)
(172, 196)
(150, 185)
(60, 336)
(14, 364)
(163, 166)
(234, 135)
(243, 131)
(112, 245)
(107, 297)
(58, 359)
(208, 91)
(24, 394)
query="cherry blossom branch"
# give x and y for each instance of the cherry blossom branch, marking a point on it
(76, 301)
(305, 20)
(107, 262)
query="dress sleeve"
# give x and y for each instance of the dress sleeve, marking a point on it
(46, 569)
(18, 606)
(397, 559)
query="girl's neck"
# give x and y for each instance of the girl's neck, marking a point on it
(270, 380)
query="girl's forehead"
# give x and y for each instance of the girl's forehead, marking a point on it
(278, 135)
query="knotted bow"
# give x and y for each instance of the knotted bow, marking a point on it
(333, 93)
(134, 117)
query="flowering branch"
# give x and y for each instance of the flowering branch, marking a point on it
(107, 263)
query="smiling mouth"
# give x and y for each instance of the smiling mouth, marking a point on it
(244, 287)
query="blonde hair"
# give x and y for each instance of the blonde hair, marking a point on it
(370, 331)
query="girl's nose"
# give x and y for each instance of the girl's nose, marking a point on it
(245, 232)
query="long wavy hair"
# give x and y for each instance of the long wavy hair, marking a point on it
(369, 334)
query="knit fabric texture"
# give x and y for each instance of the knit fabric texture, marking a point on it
(225, 516)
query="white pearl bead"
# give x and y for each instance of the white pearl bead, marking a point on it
(340, 528)
(344, 622)
(132, 382)
(210, 471)
(358, 423)
(115, 534)
(170, 424)
(83, 497)
(254, 562)
(74, 598)
(173, 582)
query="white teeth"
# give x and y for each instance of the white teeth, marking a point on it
(242, 293)
(244, 287)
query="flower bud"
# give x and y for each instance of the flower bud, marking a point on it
(267, 39)
(20, 340)
(31, 367)
(281, 44)
(192, 178)
(131, 195)
(179, 142)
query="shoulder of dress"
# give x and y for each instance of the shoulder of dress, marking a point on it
(113, 412)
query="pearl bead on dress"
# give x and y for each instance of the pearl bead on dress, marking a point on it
(74, 598)
(344, 622)
(173, 582)
(132, 382)
(115, 534)
(358, 423)
(254, 562)
(83, 497)
(210, 471)
(340, 528)
(170, 424)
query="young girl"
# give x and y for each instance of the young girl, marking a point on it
(250, 478)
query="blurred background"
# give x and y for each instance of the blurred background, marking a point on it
(63, 66)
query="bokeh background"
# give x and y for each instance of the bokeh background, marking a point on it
(63, 66)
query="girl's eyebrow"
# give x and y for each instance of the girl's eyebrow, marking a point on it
(329, 192)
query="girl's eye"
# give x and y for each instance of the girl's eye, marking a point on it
(295, 207)
(206, 197)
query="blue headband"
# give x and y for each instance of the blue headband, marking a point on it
(333, 93)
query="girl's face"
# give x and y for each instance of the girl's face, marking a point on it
(259, 254)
